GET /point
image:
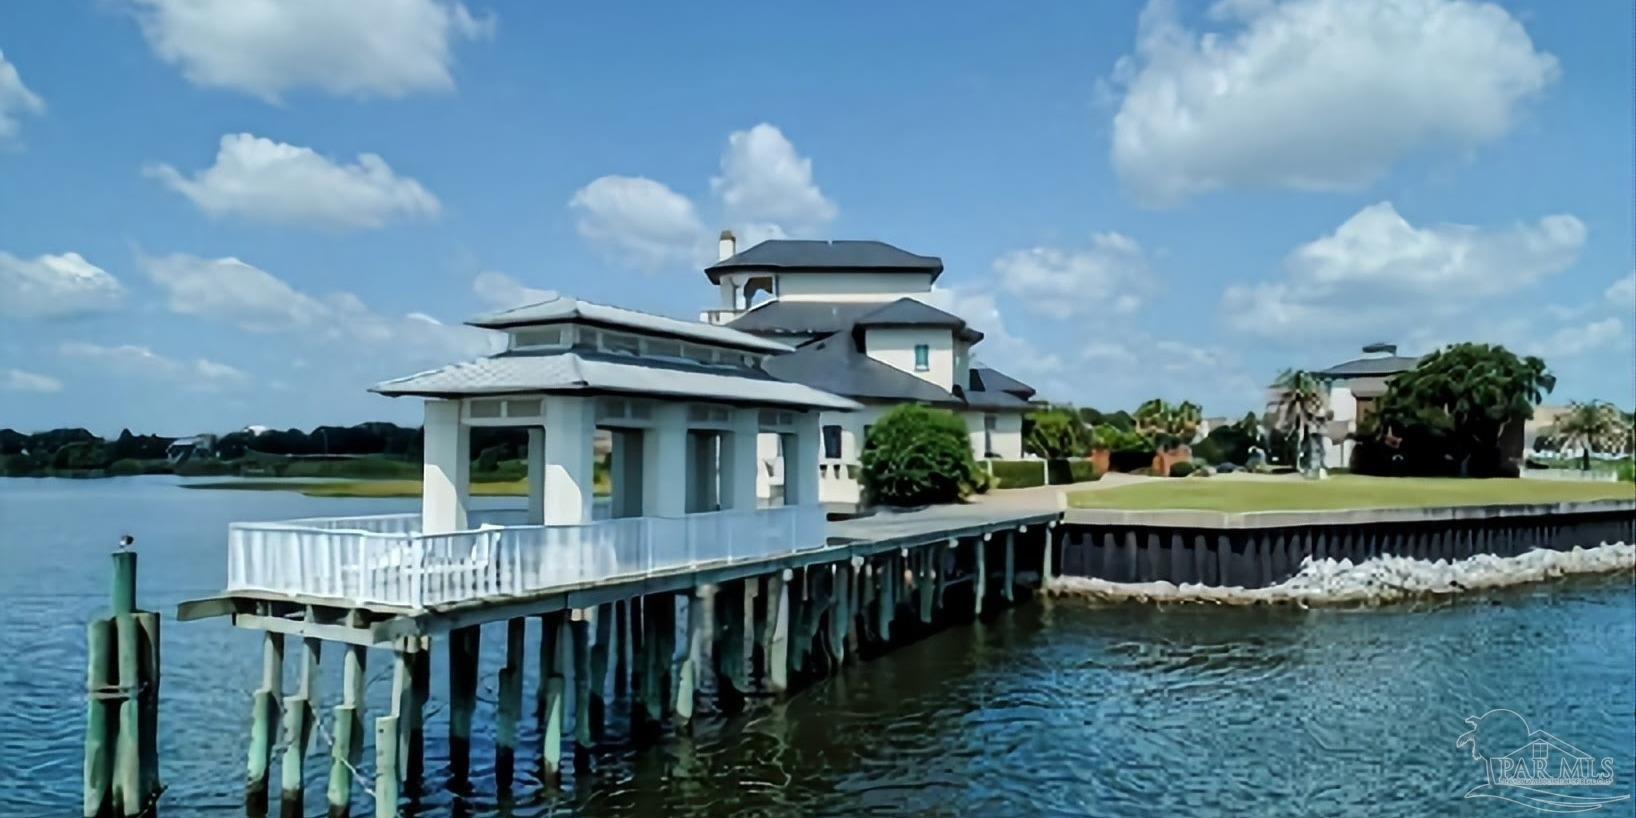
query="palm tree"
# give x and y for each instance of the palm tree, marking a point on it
(1593, 425)
(1300, 410)
(1168, 425)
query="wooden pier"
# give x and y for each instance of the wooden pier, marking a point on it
(740, 627)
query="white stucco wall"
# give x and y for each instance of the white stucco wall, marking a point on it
(895, 347)
(1006, 438)
(864, 286)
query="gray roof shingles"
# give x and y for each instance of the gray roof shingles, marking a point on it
(563, 309)
(825, 256)
(575, 371)
(1370, 367)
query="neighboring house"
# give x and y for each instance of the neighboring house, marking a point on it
(1354, 388)
(856, 313)
(183, 449)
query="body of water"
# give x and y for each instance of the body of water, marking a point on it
(1048, 709)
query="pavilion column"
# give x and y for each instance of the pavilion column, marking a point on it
(570, 424)
(536, 475)
(664, 462)
(801, 461)
(447, 470)
(741, 461)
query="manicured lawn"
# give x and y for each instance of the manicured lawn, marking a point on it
(1235, 496)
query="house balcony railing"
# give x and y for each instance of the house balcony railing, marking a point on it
(385, 560)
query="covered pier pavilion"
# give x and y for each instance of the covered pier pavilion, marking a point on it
(681, 565)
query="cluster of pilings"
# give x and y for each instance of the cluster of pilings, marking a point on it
(743, 634)
(1253, 557)
(122, 702)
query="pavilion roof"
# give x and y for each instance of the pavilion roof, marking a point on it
(583, 371)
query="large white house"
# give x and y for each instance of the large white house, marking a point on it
(857, 314)
(1353, 387)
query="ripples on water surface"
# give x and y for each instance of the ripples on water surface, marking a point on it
(1062, 709)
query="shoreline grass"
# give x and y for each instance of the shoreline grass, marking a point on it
(1238, 496)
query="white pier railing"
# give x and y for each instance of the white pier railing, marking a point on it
(386, 560)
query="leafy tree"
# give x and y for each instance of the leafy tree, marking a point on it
(1094, 418)
(1168, 425)
(1454, 408)
(1300, 412)
(1591, 426)
(1055, 434)
(916, 456)
(1230, 443)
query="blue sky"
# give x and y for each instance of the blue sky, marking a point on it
(220, 213)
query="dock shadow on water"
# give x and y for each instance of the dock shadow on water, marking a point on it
(1062, 708)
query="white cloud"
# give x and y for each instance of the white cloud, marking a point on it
(1000, 347)
(1110, 276)
(501, 291)
(1379, 273)
(639, 221)
(357, 48)
(57, 286)
(1315, 94)
(16, 380)
(15, 99)
(765, 182)
(765, 191)
(231, 291)
(262, 180)
(227, 289)
(1622, 293)
(1579, 338)
(1136, 366)
(131, 360)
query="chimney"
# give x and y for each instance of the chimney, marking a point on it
(727, 247)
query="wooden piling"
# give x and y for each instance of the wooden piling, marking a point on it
(346, 748)
(510, 707)
(580, 631)
(464, 651)
(604, 616)
(412, 721)
(99, 751)
(1045, 558)
(839, 613)
(687, 679)
(1009, 589)
(388, 761)
(622, 648)
(731, 675)
(980, 589)
(264, 708)
(778, 638)
(554, 640)
(299, 718)
(926, 582)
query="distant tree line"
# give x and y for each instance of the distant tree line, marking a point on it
(77, 452)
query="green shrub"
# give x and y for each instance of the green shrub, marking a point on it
(1182, 469)
(915, 456)
(1018, 474)
(1627, 471)
(1083, 471)
(1055, 433)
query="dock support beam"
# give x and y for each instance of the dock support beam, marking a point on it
(926, 581)
(1008, 590)
(299, 717)
(412, 721)
(980, 590)
(580, 630)
(778, 632)
(346, 749)
(687, 678)
(553, 642)
(388, 762)
(465, 650)
(510, 707)
(263, 718)
(1045, 558)
(604, 615)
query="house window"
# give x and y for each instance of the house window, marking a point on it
(923, 357)
(832, 442)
